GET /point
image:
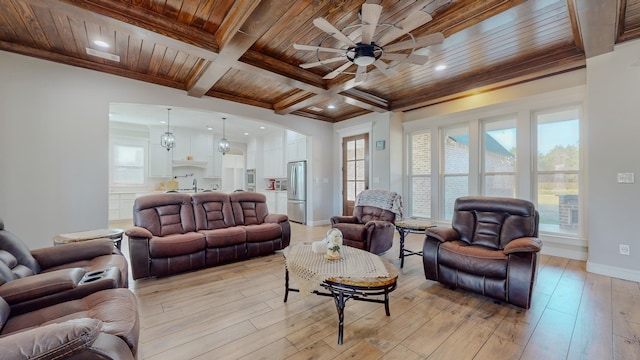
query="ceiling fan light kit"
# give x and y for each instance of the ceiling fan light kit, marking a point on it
(373, 46)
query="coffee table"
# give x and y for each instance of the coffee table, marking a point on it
(114, 235)
(410, 226)
(345, 286)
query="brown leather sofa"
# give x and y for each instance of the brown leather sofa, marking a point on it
(34, 279)
(490, 249)
(102, 325)
(176, 232)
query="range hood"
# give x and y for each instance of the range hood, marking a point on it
(189, 163)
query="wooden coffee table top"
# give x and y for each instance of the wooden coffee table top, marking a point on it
(113, 234)
(365, 282)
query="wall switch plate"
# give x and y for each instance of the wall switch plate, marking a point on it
(623, 249)
(626, 178)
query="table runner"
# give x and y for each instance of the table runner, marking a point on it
(311, 269)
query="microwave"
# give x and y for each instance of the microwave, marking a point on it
(280, 185)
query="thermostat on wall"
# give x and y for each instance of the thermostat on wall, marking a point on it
(626, 178)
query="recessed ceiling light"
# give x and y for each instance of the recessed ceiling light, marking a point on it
(246, 133)
(162, 122)
(102, 44)
(261, 127)
(331, 107)
(440, 67)
(209, 128)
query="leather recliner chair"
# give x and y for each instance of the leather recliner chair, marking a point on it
(103, 325)
(491, 249)
(34, 279)
(370, 227)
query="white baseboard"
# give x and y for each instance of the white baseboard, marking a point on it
(319, 222)
(613, 271)
(569, 251)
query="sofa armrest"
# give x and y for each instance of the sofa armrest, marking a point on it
(442, 234)
(63, 254)
(525, 244)
(344, 219)
(276, 218)
(378, 224)
(139, 252)
(39, 285)
(138, 232)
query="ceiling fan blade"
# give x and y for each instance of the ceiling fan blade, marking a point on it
(412, 59)
(370, 16)
(410, 23)
(420, 42)
(318, 48)
(324, 25)
(337, 71)
(322, 62)
(361, 74)
(382, 66)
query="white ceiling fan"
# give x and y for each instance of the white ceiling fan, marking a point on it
(371, 43)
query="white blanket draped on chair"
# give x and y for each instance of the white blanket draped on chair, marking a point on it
(383, 199)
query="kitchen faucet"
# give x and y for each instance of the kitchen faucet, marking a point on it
(195, 185)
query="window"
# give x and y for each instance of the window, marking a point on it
(128, 164)
(557, 169)
(499, 158)
(420, 175)
(455, 174)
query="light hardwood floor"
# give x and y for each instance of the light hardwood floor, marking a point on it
(236, 311)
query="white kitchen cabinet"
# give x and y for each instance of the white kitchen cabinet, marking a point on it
(296, 146)
(273, 155)
(121, 206)
(114, 206)
(232, 172)
(281, 202)
(126, 205)
(271, 201)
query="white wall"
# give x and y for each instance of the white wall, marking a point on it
(54, 141)
(379, 127)
(614, 125)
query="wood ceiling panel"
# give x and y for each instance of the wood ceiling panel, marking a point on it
(242, 51)
(629, 25)
(477, 48)
(252, 86)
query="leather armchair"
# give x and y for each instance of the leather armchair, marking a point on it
(370, 228)
(103, 325)
(34, 279)
(491, 249)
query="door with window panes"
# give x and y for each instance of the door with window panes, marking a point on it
(355, 169)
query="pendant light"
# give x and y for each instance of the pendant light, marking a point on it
(167, 140)
(223, 144)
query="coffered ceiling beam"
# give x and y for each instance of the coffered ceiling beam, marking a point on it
(597, 24)
(140, 21)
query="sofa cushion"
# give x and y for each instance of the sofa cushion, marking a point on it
(224, 237)
(164, 214)
(473, 259)
(176, 244)
(249, 208)
(263, 232)
(212, 210)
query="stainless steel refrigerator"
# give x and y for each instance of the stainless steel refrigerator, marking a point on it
(297, 191)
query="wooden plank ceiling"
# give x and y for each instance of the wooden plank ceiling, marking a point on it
(243, 51)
